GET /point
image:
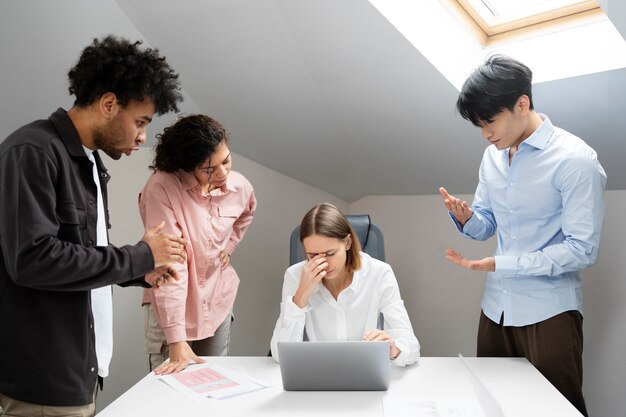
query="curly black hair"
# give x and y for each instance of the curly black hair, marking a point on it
(115, 65)
(188, 143)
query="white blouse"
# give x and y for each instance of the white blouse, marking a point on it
(373, 290)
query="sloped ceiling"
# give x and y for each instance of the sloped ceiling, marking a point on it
(329, 93)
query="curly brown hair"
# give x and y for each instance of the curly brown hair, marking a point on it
(188, 143)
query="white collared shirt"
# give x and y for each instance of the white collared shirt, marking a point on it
(373, 290)
(101, 298)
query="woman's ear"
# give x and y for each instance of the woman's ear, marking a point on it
(348, 242)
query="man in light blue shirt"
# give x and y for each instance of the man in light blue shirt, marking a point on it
(541, 192)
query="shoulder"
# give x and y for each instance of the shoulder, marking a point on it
(39, 134)
(164, 179)
(295, 268)
(570, 145)
(239, 181)
(162, 184)
(292, 274)
(374, 267)
(574, 154)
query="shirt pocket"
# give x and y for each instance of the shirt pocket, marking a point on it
(72, 222)
(228, 215)
(229, 212)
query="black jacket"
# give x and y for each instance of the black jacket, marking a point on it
(49, 263)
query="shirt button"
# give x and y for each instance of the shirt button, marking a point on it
(91, 202)
(91, 326)
(93, 369)
(505, 291)
(511, 211)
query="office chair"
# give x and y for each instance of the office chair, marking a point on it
(370, 236)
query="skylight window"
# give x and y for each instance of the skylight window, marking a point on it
(555, 38)
(498, 17)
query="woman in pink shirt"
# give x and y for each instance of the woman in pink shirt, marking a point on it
(200, 198)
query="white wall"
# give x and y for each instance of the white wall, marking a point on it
(260, 261)
(443, 300)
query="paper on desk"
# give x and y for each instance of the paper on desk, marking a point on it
(444, 407)
(213, 381)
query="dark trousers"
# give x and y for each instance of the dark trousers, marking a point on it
(554, 346)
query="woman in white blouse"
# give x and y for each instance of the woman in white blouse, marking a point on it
(339, 291)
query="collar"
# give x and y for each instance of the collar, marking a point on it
(67, 132)
(88, 151)
(69, 136)
(540, 137)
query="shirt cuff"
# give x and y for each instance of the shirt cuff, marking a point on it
(456, 222)
(141, 259)
(506, 266)
(293, 311)
(175, 334)
(400, 360)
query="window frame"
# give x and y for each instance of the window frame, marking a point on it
(583, 12)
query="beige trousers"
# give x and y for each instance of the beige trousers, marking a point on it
(14, 408)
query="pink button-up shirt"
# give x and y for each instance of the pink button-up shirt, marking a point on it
(193, 307)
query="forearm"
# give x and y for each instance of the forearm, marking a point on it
(239, 229)
(289, 326)
(170, 305)
(554, 260)
(56, 265)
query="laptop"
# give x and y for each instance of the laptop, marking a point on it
(488, 403)
(334, 366)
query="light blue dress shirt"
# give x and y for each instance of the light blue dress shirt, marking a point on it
(547, 209)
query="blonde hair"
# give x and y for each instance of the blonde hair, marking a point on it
(326, 220)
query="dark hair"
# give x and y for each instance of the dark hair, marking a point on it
(326, 220)
(494, 86)
(117, 66)
(188, 143)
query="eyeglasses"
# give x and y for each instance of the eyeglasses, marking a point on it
(210, 170)
(207, 170)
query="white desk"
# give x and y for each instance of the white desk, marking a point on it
(521, 390)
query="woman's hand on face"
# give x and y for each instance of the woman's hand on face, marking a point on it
(377, 335)
(312, 273)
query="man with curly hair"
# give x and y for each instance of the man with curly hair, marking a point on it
(56, 264)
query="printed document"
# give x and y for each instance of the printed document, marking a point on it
(213, 381)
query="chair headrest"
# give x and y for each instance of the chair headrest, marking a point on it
(361, 225)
